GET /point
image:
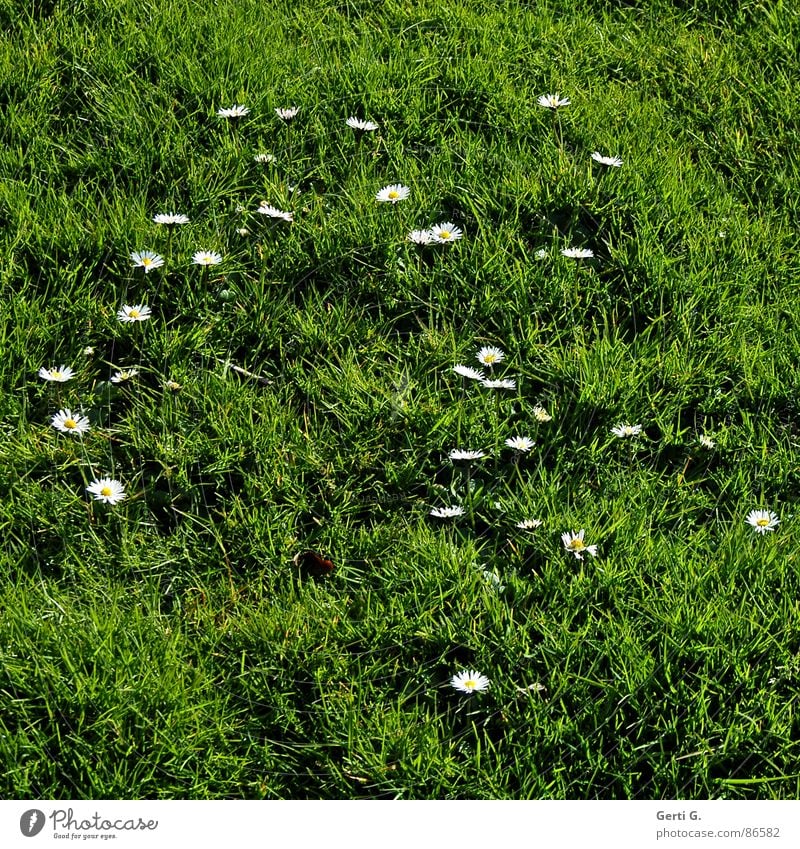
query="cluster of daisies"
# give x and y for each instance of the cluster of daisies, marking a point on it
(440, 234)
(573, 541)
(490, 356)
(105, 489)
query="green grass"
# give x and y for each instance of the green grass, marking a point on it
(169, 647)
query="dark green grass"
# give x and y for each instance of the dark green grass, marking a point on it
(169, 647)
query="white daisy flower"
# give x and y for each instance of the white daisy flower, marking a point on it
(529, 524)
(264, 158)
(541, 415)
(542, 253)
(243, 231)
(552, 101)
(577, 253)
(447, 512)
(623, 431)
(236, 111)
(504, 383)
(763, 520)
(471, 373)
(274, 212)
(520, 443)
(173, 386)
(706, 441)
(614, 161)
(57, 375)
(392, 194)
(469, 681)
(207, 258)
(108, 490)
(363, 126)
(170, 218)
(446, 232)
(420, 237)
(68, 422)
(574, 542)
(287, 113)
(459, 454)
(146, 260)
(490, 356)
(88, 351)
(124, 376)
(141, 312)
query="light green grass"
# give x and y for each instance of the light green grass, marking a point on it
(168, 647)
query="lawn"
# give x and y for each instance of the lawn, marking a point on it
(288, 371)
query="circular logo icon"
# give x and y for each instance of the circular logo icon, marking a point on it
(31, 822)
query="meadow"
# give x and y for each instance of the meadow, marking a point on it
(189, 407)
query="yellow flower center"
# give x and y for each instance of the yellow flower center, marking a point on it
(471, 683)
(444, 234)
(577, 544)
(70, 423)
(105, 491)
(393, 194)
(134, 313)
(762, 523)
(54, 373)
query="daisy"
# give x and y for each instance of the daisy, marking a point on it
(288, 113)
(170, 218)
(446, 232)
(147, 260)
(469, 681)
(88, 351)
(420, 237)
(141, 312)
(264, 158)
(574, 542)
(274, 212)
(520, 443)
(243, 231)
(615, 161)
(541, 415)
(234, 112)
(541, 253)
(763, 520)
(623, 431)
(393, 193)
(207, 258)
(706, 441)
(447, 512)
(471, 373)
(505, 383)
(57, 375)
(529, 524)
(173, 386)
(490, 356)
(552, 101)
(364, 126)
(66, 422)
(124, 376)
(458, 454)
(107, 490)
(577, 253)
